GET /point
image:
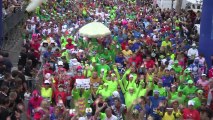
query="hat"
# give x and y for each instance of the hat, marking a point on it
(173, 86)
(160, 81)
(156, 92)
(46, 82)
(187, 71)
(203, 74)
(131, 76)
(63, 48)
(81, 51)
(60, 62)
(180, 90)
(167, 69)
(115, 94)
(105, 84)
(200, 91)
(113, 74)
(193, 45)
(190, 82)
(191, 102)
(175, 62)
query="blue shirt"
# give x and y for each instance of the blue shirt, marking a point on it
(119, 60)
(155, 101)
(147, 108)
(167, 81)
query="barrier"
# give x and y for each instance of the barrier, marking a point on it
(12, 20)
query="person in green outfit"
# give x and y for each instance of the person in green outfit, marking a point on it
(81, 93)
(198, 99)
(176, 67)
(104, 91)
(190, 90)
(160, 88)
(129, 81)
(102, 67)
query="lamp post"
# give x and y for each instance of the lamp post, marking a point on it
(172, 10)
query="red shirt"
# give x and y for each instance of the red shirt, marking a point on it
(69, 46)
(149, 64)
(137, 61)
(62, 94)
(210, 73)
(191, 114)
(123, 45)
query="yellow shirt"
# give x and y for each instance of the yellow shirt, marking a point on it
(165, 44)
(168, 117)
(46, 93)
(127, 53)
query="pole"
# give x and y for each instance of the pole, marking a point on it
(1, 25)
(172, 10)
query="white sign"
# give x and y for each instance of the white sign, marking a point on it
(83, 83)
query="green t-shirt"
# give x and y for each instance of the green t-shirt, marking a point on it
(105, 92)
(112, 85)
(185, 78)
(180, 99)
(189, 90)
(142, 92)
(162, 90)
(177, 69)
(197, 102)
(100, 67)
(130, 98)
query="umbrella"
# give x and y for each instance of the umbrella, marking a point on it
(94, 30)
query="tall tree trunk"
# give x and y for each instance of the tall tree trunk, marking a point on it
(178, 5)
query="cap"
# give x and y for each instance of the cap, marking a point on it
(200, 91)
(81, 51)
(63, 48)
(187, 71)
(156, 92)
(173, 86)
(180, 90)
(46, 82)
(60, 62)
(88, 110)
(113, 74)
(193, 44)
(203, 74)
(160, 81)
(131, 75)
(175, 62)
(115, 94)
(190, 82)
(105, 84)
(191, 102)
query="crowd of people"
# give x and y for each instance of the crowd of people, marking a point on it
(149, 68)
(9, 6)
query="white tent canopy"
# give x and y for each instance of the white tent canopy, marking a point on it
(194, 1)
(94, 30)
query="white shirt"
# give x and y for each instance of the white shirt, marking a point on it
(112, 118)
(192, 52)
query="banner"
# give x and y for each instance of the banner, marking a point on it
(83, 83)
(206, 31)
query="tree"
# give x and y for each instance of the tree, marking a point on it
(178, 5)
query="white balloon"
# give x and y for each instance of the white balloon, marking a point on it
(34, 4)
